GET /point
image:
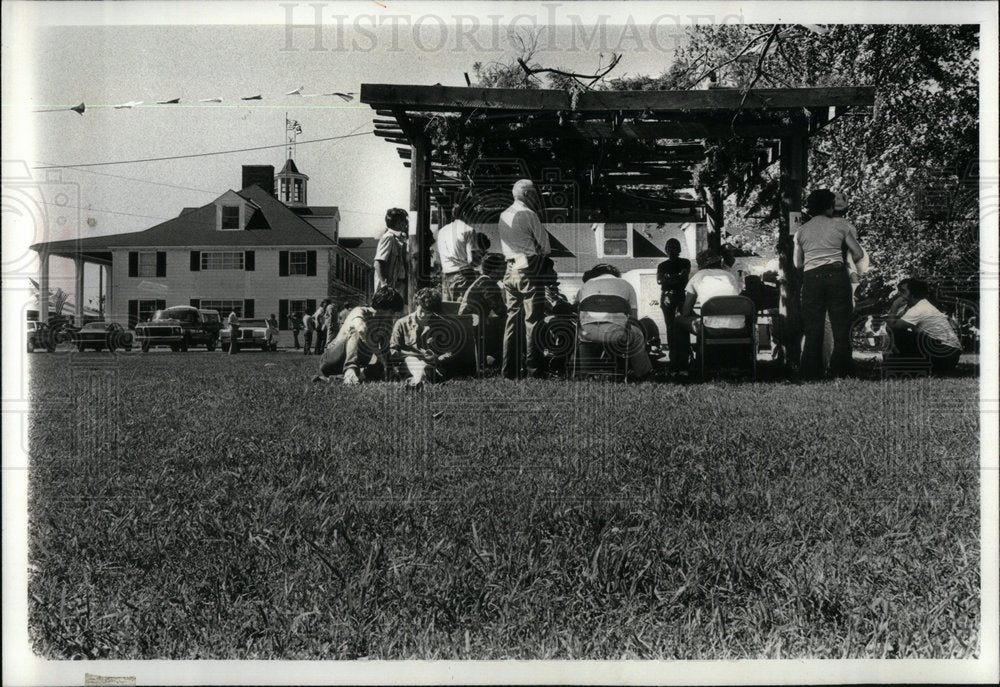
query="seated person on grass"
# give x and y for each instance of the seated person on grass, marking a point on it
(621, 331)
(484, 300)
(362, 337)
(921, 333)
(414, 339)
(711, 280)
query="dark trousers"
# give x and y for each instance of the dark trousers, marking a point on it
(234, 339)
(913, 347)
(320, 341)
(826, 291)
(295, 337)
(524, 294)
(307, 337)
(670, 305)
(454, 285)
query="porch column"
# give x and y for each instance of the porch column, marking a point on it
(78, 290)
(43, 286)
(793, 162)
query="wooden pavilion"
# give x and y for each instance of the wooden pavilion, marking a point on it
(636, 156)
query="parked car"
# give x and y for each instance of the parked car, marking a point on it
(37, 336)
(180, 327)
(253, 334)
(100, 334)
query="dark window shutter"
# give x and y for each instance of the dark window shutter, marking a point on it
(133, 263)
(248, 307)
(311, 263)
(195, 261)
(283, 314)
(283, 263)
(310, 305)
(160, 304)
(161, 263)
(133, 313)
(195, 303)
(248, 261)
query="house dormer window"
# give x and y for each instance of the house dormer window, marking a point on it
(614, 240)
(230, 217)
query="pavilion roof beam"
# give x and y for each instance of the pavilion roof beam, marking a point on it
(460, 99)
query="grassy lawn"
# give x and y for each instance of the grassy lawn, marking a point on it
(213, 506)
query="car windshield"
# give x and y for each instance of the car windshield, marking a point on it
(180, 314)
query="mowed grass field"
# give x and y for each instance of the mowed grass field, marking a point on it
(210, 506)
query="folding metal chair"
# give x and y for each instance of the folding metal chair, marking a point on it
(747, 336)
(608, 361)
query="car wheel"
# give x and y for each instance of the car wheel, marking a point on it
(80, 347)
(144, 346)
(210, 345)
(31, 345)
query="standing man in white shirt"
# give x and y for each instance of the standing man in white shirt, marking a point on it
(391, 254)
(922, 333)
(524, 243)
(456, 244)
(234, 332)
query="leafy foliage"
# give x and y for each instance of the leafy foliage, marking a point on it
(909, 170)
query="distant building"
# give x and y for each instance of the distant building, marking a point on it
(258, 250)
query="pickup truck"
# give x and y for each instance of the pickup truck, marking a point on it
(180, 327)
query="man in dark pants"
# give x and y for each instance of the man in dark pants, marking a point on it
(295, 324)
(672, 276)
(524, 243)
(826, 285)
(319, 321)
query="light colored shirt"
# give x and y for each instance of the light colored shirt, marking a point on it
(822, 241)
(233, 319)
(522, 234)
(710, 283)
(607, 285)
(307, 322)
(391, 250)
(454, 244)
(932, 322)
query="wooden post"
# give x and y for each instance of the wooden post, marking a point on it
(43, 286)
(793, 162)
(78, 291)
(418, 246)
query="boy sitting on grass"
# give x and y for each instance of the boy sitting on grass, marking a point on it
(361, 339)
(417, 340)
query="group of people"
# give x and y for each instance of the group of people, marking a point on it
(318, 328)
(518, 308)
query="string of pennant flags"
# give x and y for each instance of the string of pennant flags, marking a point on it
(297, 92)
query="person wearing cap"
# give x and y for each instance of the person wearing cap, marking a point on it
(484, 299)
(524, 243)
(826, 285)
(456, 247)
(712, 279)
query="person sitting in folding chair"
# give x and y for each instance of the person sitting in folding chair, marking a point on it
(608, 324)
(711, 280)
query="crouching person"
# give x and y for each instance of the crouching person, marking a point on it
(360, 348)
(424, 341)
(921, 334)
